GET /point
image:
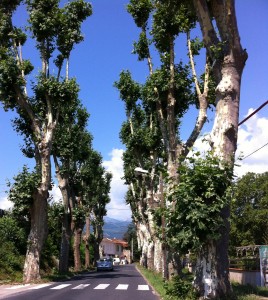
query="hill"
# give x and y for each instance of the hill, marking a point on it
(114, 228)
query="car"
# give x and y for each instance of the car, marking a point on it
(105, 264)
(116, 261)
(124, 261)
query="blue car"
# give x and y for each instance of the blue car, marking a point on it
(105, 264)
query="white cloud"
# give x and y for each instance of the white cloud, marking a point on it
(5, 204)
(252, 135)
(56, 193)
(117, 208)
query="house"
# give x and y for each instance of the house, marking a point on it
(114, 248)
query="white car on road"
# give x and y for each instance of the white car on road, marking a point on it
(116, 261)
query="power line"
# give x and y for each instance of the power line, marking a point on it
(255, 151)
(240, 123)
(255, 111)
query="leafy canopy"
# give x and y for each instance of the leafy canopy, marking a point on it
(249, 211)
(203, 191)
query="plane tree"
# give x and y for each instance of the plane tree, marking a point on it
(221, 38)
(168, 87)
(217, 20)
(95, 184)
(97, 197)
(71, 147)
(171, 88)
(141, 136)
(38, 111)
(80, 173)
(91, 186)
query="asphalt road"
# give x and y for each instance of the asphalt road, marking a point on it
(123, 283)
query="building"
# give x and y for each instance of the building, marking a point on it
(114, 248)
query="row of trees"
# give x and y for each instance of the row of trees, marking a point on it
(53, 122)
(182, 204)
(249, 211)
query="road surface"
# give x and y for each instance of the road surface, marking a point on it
(123, 283)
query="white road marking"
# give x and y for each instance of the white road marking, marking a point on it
(101, 286)
(40, 286)
(80, 287)
(143, 287)
(122, 287)
(59, 287)
(18, 286)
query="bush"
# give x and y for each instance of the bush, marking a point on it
(181, 289)
(11, 262)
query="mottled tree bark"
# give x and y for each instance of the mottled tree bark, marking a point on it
(98, 235)
(76, 248)
(36, 238)
(87, 253)
(212, 276)
(38, 212)
(65, 243)
(66, 220)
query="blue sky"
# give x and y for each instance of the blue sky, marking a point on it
(106, 51)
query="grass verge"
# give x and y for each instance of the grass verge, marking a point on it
(241, 292)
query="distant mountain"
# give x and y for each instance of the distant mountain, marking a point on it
(114, 228)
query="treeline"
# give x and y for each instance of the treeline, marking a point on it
(53, 123)
(180, 198)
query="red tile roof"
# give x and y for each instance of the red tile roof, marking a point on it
(116, 241)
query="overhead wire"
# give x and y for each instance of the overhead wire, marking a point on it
(254, 112)
(254, 151)
(248, 117)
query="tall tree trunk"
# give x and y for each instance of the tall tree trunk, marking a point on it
(206, 277)
(150, 255)
(98, 234)
(212, 280)
(215, 280)
(66, 220)
(96, 251)
(36, 238)
(212, 268)
(223, 142)
(76, 247)
(87, 252)
(38, 211)
(151, 230)
(65, 244)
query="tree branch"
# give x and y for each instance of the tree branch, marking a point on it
(202, 114)
(23, 103)
(193, 64)
(210, 38)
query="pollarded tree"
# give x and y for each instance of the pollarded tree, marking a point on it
(221, 38)
(86, 178)
(98, 203)
(89, 187)
(93, 176)
(142, 138)
(38, 113)
(71, 148)
(169, 89)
